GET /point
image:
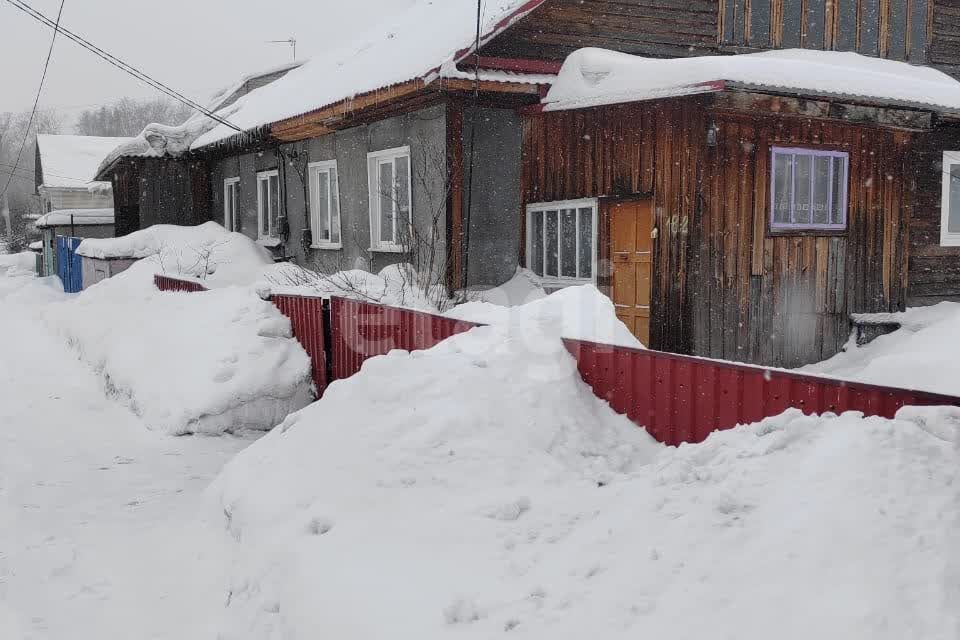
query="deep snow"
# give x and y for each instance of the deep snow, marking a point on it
(218, 361)
(922, 354)
(101, 535)
(480, 488)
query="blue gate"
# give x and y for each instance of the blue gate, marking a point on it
(69, 264)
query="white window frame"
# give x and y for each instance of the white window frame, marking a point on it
(947, 239)
(230, 224)
(374, 160)
(314, 171)
(273, 234)
(541, 207)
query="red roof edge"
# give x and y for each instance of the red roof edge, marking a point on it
(521, 65)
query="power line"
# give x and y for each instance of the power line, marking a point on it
(36, 101)
(120, 64)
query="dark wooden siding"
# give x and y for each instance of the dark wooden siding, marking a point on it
(945, 38)
(661, 28)
(639, 149)
(723, 287)
(149, 191)
(908, 30)
(934, 270)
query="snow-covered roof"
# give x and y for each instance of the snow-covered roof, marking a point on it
(77, 217)
(593, 77)
(161, 140)
(415, 44)
(36, 245)
(70, 162)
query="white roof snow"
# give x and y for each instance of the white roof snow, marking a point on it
(78, 217)
(593, 77)
(70, 162)
(416, 43)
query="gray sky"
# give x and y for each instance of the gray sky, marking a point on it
(194, 46)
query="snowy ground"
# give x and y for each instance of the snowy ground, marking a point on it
(99, 534)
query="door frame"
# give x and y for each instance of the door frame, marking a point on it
(604, 280)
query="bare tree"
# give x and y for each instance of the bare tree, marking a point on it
(127, 117)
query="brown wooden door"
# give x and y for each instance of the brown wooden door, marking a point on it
(631, 231)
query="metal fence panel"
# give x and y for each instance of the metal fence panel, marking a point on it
(169, 283)
(69, 264)
(360, 330)
(306, 318)
(684, 399)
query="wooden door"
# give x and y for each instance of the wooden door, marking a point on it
(631, 236)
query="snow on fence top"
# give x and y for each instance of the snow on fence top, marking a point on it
(594, 77)
(75, 217)
(70, 162)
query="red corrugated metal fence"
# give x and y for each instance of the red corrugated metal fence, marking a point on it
(361, 330)
(683, 398)
(677, 398)
(168, 283)
(307, 319)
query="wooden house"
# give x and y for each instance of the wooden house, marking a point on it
(672, 196)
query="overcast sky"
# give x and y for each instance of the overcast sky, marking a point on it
(194, 46)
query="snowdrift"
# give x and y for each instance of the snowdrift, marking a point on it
(921, 355)
(479, 487)
(213, 362)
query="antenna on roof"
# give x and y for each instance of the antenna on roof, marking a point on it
(290, 41)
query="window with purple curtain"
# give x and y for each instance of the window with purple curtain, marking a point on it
(808, 189)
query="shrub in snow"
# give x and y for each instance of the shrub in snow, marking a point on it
(211, 362)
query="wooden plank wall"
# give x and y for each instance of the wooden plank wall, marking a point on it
(934, 270)
(945, 36)
(785, 300)
(666, 28)
(895, 29)
(722, 286)
(173, 191)
(627, 150)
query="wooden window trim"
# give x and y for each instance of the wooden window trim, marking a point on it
(273, 235)
(947, 238)
(811, 228)
(541, 207)
(230, 224)
(314, 169)
(374, 160)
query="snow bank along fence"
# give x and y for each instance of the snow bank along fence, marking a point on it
(676, 398)
(69, 264)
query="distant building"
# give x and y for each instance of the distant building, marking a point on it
(65, 170)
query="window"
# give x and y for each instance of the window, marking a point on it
(268, 205)
(950, 200)
(561, 237)
(390, 211)
(808, 190)
(231, 200)
(324, 205)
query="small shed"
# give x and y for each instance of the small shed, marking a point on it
(77, 223)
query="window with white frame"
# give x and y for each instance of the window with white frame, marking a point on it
(231, 202)
(950, 200)
(808, 189)
(268, 205)
(390, 210)
(324, 205)
(561, 241)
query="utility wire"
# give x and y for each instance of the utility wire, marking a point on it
(465, 233)
(36, 100)
(120, 64)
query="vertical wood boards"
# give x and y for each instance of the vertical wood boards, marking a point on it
(723, 286)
